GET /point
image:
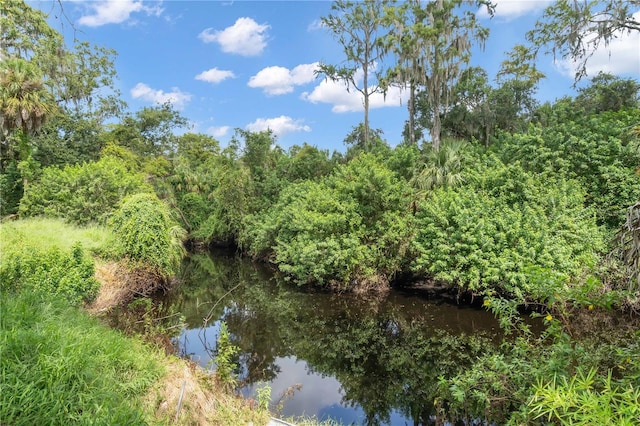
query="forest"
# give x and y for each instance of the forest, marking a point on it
(525, 208)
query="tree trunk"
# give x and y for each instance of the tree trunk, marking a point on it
(412, 114)
(365, 93)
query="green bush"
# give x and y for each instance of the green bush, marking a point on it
(146, 235)
(595, 149)
(50, 271)
(83, 193)
(586, 399)
(352, 228)
(487, 236)
(10, 189)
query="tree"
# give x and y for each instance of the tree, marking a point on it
(149, 132)
(470, 116)
(356, 141)
(358, 27)
(435, 47)
(627, 246)
(513, 103)
(609, 93)
(24, 102)
(575, 29)
(40, 80)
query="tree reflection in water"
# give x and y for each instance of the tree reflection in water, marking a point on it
(379, 356)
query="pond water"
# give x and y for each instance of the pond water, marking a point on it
(355, 359)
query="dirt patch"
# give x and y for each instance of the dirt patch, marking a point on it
(189, 395)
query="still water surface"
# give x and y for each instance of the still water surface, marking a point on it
(355, 359)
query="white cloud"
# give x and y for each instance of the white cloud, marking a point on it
(278, 125)
(336, 93)
(246, 37)
(214, 75)
(512, 9)
(177, 98)
(279, 80)
(621, 56)
(115, 11)
(315, 25)
(218, 132)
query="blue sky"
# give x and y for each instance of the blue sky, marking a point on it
(249, 64)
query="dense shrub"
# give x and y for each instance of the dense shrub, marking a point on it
(50, 271)
(595, 149)
(353, 228)
(146, 235)
(485, 236)
(83, 193)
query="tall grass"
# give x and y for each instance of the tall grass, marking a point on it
(46, 233)
(60, 366)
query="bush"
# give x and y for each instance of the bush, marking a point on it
(146, 235)
(585, 399)
(83, 193)
(488, 235)
(351, 229)
(595, 149)
(51, 272)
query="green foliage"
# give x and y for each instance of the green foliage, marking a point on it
(441, 168)
(10, 189)
(62, 366)
(586, 399)
(225, 359)
(263, 393)
(50, 271)
(350, 229)
(146, 235)
(574, 31)
(484, 237)
(512, 385)
(197, 149)
(595, 149)
(608, 93)
(402, 160)
(25, 103)
(433, 41)
(148, 132)
(230, 201)
(84, 193)
(305, 162)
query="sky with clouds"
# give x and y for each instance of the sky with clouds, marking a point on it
(251, 64)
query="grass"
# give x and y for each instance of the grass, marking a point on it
(46, 233)
(59, 364)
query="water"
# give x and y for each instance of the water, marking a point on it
(359, 360)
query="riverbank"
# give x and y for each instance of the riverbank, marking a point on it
(61, 362)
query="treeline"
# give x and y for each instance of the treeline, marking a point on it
(514, 190)
(485, 219)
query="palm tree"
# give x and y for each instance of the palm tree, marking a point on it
(441, 168)
(24, 102)
(627, 249)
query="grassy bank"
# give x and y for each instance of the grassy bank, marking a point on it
(61, 364)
